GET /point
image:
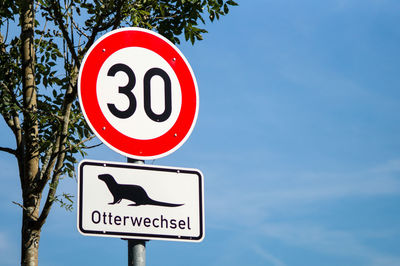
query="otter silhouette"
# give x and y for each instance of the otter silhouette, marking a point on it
(133, 193)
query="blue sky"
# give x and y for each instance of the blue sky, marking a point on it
(297, 138)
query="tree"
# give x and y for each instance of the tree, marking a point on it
(38, 84)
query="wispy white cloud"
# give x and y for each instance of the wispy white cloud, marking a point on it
(267, 256)
(256, 201)
(8, 255)
(256, 207)
(335, 242)
(380, 260)
(315, 237)
(388, 167)
(3, 242)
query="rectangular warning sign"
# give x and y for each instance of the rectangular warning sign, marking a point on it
(140, 201)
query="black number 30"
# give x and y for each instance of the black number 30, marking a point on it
(127, 91)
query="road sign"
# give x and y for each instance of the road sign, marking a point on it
(140, 201)
(138, 93)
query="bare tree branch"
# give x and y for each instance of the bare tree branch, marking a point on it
(78, 29)
(94, 146)
(45, 166)
(11, 93)
(51, 194)
(59, 156)
(81, 143)
(34, 217)
(9, 150)
(55, 12)
(101, 25)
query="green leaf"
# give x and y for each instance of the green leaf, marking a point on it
(226, 9)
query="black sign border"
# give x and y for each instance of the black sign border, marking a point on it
(139, 235)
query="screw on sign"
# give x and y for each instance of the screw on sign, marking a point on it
(138, 93)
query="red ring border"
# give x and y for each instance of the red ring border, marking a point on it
(137, 148)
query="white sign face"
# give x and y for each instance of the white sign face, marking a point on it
(138, 93)
(140, 201)
(108, 86)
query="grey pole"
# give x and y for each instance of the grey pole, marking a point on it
(136, 252)
(136, 247)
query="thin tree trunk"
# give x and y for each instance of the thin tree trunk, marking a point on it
(30, 233)
(30, 245)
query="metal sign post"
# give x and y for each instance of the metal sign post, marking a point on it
(136, 247)
(136, 252)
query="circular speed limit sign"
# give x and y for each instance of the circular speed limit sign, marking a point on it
(138, 93)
